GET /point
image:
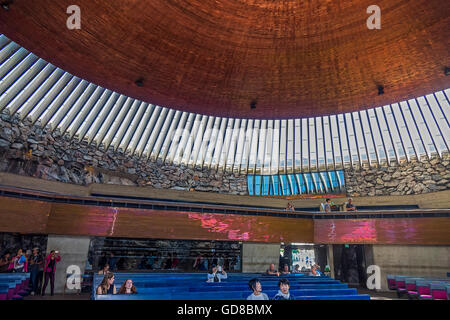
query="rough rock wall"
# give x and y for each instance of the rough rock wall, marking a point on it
(30, 150)
(415, 177)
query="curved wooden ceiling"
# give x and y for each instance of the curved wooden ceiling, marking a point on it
(294, 58)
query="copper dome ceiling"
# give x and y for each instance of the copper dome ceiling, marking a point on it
(292, 58)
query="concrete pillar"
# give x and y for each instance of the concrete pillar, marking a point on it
(256, 257)
(73, 251)
(330, 259)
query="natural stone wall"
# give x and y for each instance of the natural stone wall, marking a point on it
(400, 179)
(30, 150)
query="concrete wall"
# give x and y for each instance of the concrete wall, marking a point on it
(73, 251)
(411, 260)
(256, 257)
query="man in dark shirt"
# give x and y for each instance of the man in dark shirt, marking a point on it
(35, 263)
(350, 206)
(5, 262)
(272, 270)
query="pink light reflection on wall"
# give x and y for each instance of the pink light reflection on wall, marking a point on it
(365, 231)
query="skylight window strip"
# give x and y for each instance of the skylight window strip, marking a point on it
(393, 131)
(229, 159)
(73, 107)
(313, 161)
(21, 84)
(212, 143)
(320, 143)
(385, 134)
(290, 146)
(138, 138)
(49, 97)
(17, 72)
(337, 149)
(240, 146)
(435, 125)
(107, 123)
(218, 146)
(411, 128)
(4, 41)
(404, 135)
(17, 61)
(343, 140)
(329, 154)
(247, 147)
(226, 144)
(85, 109)
(124, 128)
(93, 113)
(190, 140)
(377, 136)
(157, 152)
(444, 104)
(198, 141)
(422, 128)
(152, 131)
(268, 148)
(172, 141)
(299, 145)
(275, 153)
(360, 139)
(185, 133)
(153, 125)
(439, 118)
(303, 135)
(254, 147)
(101, 118)
(8, 50)
(368, 138)
(60, 102)
(283, 146)
(261, 146)
(353, 147)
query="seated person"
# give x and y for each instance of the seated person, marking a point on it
(283, 293)
(290, 207)
(327, 205)
(350, 206)
(315, 271)
(255, 286)
(105, 269)
(217, 274)
(272, 271)
(127, 287)
(286, 270)
(296, 269)
(107, 285)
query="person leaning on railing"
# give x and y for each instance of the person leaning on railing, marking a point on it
(349, 206)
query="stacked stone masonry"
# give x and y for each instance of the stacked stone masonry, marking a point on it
(413, 177)
(28, 149)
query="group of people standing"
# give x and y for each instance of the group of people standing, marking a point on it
(33, 262)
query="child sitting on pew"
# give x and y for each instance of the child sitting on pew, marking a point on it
(217, 274)
(256, 287)
(283, 293)
(107, 285)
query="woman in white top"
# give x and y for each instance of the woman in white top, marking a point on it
(217, 274)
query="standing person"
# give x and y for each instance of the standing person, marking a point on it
(19, 261)
(327, 205)
(175, 261)
(105, 269)
(283, 293)
(112, 261)
(127, 287)
(36, 262)
(350, 206)
(102, 261)
(49, 270)
(256, 287)
(5, 261)
(107, 285)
